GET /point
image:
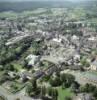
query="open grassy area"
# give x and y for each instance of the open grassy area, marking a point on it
(1, 73)
(17, 66)
(15, 87)
(64, 93)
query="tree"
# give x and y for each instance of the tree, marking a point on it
(29, 89)
(84, 62)
(67, 98)
(24, 64)
(19, 27)
(46, 78)
(32, 89)
(91, 88)
(10, 67)
(58, 73)
(67, 80)
(50, 91)
(3, 78)
(63, 85)
(70, 79)
(75, 86)
(17, 98)
(55, 94)
(43, 91)
(2, 98)
(87, 88)
(55, 81)
(95, 93)
(63, 77)
(34, 84)
(14, 86)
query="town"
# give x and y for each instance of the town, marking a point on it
(48, 54)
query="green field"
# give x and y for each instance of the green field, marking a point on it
(17, 66)
(64, 93)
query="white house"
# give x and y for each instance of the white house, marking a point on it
(32, 59)
(57, 40)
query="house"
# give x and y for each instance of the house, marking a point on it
(75, 67)
(76, 57)
(25, 75)
(32, 59)
(38, 74)
(92, 39)
(57, 40)
(94, 65)
(51, 70)
(74, 37)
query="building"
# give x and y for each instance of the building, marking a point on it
(24, 75)
(57, 40)
(32, 59)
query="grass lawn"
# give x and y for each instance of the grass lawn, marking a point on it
(15, 87)
(17, 66)
(1, 73)
(63, 93)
